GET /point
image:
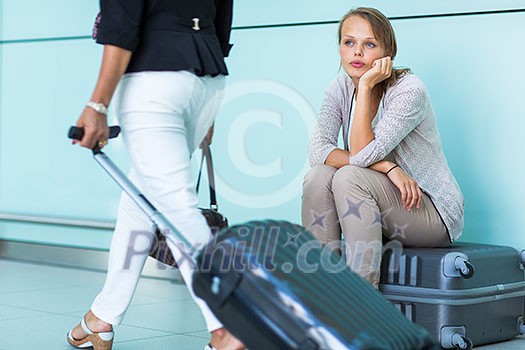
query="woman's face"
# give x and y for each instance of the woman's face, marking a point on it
(358, 48)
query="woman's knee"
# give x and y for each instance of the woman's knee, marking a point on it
(319, 178)
(347, 177)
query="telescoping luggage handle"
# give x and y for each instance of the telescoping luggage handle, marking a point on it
(127, 186)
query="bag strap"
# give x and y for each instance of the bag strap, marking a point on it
(206, 153)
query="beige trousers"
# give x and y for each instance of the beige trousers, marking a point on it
(366, 206)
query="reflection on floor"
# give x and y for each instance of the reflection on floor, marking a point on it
(39, 304)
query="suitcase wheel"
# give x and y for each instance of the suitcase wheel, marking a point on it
(468, 270)
(457, 265)
(461, 342)
(521, 325)
(465, 268)
(455, 337)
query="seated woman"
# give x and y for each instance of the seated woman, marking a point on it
(392, 180)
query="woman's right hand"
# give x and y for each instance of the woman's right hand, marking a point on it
(410, 192)
(96, 130)
(381, 70)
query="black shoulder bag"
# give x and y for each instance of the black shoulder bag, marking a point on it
(159, 249)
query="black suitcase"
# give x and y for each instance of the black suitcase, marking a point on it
(272, 284)
(273, 287)
(465, 295)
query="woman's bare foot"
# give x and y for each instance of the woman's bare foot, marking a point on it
(221, 339)
(93, 323)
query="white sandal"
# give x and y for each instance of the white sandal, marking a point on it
(97, 340)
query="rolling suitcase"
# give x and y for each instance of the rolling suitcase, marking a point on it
(466, 295)
(275, 288)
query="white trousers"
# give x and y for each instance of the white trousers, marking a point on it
(164, 116)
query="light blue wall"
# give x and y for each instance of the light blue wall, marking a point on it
(255, 12)
(1, 71)
(278, 77)
(47, 75)
(33, 19)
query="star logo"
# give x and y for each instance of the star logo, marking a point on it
(292, 239)
(399, 231)
(318, 220)
(380, 218)
(353, 209)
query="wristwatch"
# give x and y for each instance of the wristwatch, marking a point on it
(98, 107)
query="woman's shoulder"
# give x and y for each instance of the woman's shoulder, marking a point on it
(409, 81)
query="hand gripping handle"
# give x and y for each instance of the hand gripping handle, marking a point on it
(77, 133)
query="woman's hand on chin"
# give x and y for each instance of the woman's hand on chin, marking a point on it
(381, 70)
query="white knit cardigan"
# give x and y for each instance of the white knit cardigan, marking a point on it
(406, 130)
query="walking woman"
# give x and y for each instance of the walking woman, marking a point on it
(167, 56)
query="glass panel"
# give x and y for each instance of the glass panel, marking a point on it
(254, 12)
(278, 78)
(30, 19)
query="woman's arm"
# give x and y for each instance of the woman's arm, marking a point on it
(361, 133)
(406, 105)
(338, 158)
(223, 24)
(411, 194)
(383, 166)
(114, 63)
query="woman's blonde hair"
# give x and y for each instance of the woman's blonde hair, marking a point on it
(384, 33)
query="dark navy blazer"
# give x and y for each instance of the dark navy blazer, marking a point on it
(169, 35)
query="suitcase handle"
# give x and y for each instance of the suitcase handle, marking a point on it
(140, 200)
(77, 133)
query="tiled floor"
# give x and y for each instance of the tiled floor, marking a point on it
(39, 304)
